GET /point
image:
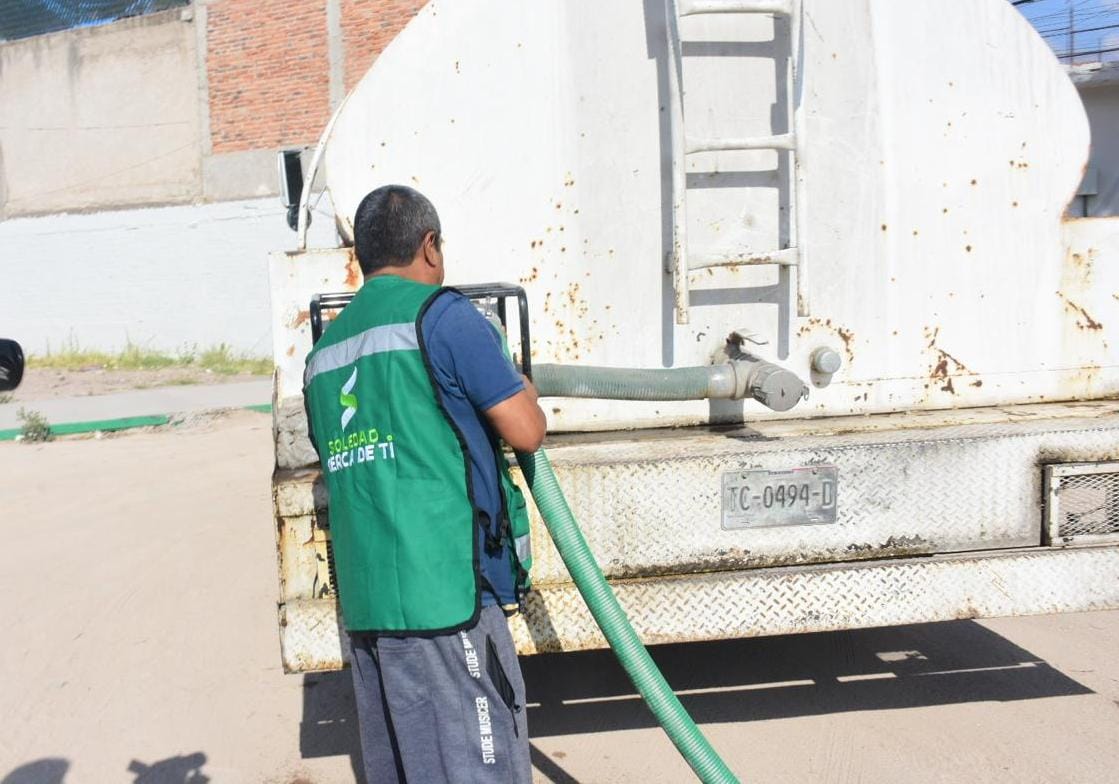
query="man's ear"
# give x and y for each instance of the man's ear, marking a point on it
(431, 250)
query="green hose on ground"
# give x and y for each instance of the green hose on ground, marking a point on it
(615, 626)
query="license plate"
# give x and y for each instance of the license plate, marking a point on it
(763, 499)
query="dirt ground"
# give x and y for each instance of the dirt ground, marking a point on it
(46, 384)
(140, 645)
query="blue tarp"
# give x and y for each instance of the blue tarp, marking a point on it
(25, 18)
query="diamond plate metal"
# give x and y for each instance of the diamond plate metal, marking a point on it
(650, 508)
(781, 601)
(311, 636)
(653, 506)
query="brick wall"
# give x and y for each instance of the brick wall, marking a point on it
(367, 28)
(268, 68)
(268, 65)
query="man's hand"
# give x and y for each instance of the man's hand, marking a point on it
(519, 420)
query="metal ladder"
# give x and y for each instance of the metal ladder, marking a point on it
(678, 261)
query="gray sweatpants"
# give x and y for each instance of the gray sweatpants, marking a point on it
(442, 709)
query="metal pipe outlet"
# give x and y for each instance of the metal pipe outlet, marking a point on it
(771, 385)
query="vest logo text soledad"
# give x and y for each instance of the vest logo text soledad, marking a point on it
(361, 446)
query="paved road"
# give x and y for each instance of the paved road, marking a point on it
(139, 645)
(142, 402)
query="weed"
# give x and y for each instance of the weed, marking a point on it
(35, 427)
(5, 397)
(222, 359)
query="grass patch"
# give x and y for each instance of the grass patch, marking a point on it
(219, 359)
(5, 397)
(224, 360)
(34, 427)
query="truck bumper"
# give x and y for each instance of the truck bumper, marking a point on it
(782, 600)
(941, 515)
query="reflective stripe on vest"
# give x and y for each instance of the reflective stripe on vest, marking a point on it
(375, 340)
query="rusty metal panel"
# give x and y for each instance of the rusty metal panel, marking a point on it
(302, 535)
(299, 492)
(779, 601)
(295, 278)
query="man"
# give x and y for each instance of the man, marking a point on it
(407, 393)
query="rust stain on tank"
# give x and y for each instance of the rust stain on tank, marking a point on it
(575, 332)
(1087, 376)
(1077, 272)
(1081, 265)
(945, 366)
(844, 334)
(354, 276)
(301, 318)
(1085, 320)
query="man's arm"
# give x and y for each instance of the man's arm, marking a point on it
(519, 420)
(468, 358)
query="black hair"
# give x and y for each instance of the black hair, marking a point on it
(390, 225)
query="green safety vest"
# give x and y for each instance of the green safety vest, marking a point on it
(403, 521)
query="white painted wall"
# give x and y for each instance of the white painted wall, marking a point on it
(166, 278)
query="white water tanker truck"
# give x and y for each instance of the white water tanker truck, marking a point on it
(822, 348)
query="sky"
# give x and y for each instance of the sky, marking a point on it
(1051, 18)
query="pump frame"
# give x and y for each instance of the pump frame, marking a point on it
(473, 291)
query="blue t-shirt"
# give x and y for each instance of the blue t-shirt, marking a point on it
(474, 374)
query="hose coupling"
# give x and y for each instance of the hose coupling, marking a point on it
(771, 385)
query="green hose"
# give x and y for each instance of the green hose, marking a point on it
(690, 383)
(612, 619)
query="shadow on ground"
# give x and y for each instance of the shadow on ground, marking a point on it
(44, 771)
(796, 675)
(181, 769)
(329, 726)
(739, 681)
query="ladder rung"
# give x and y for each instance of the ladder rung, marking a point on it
(783, 141)
(786, 258)
(690, 7)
